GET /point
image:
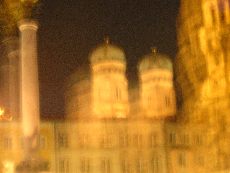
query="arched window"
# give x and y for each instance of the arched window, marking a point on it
(182, 159)
(167, 101)
(105, 165)
(213, 15)
(221, 7)
(118, 93)
(155, 163)
(104, 91)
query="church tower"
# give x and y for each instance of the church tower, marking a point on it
(109, 83)
(202, 63)
(202, 71)
(156, 81)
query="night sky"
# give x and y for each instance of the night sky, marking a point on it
(70, 29)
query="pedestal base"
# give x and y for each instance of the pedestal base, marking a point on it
(32, 166)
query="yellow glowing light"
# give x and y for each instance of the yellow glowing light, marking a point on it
(3, 115)
(2, 111)
(8, 166)
(29, 1)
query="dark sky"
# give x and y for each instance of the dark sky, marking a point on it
(70, 29)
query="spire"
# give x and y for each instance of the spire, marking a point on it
(154, 50)
(107, 40)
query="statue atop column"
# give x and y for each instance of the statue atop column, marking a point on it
(12, 11)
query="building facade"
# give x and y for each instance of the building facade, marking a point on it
(111, 129)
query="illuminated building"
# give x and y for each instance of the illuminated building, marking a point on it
(109, 128)
(157, 90)
(109, 84)
(110, 138)
(202, 74)
(9, 77)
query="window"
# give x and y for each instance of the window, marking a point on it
(149, 100)
(126, 167)
(63, 166)
(22, 142)
(172, 138)
(139, 166)
(184, 139)
(142, 166)
(42, 142)
(106, 90)
(167, 101)
(221, 6)
(85, 165)
(153, 139)
(137, 140)
(7, 143)
(155, 164)
(198, 140)
(62, 140)
(182, 159)
(199, 160)
(118, 93)
(213, 15)
(83, 140)
(124, 140)
(105, 166)
(106, 141)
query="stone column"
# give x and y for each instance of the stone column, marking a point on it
(12, 53)
(29, 89)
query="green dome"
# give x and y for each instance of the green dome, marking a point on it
(155, 61)
(107, 52)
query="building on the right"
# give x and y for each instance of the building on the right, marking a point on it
(202, 70)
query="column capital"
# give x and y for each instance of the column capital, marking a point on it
(27, 24)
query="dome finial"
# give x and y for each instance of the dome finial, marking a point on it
(154, 50)
(107, 40)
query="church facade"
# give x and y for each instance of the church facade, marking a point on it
(111, 129)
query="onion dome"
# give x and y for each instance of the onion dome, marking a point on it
(107, 52)
(155, 61)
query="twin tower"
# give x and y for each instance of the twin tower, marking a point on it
(104, 94)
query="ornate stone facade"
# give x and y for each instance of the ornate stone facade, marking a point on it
(111, 129)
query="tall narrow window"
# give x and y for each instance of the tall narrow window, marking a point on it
(105, 165)
(137, 139)
(118, 93)
(125, 166)
(63, 165)
(213, 15)
(105, 90)
(106, 141)
(155, 164)
(62, 140)
(182, 159)
(124, 140)
(172, 138)
(85, 165)
(198, 139)
(199, 160)
(153, 139)
(221, 5)
(167, 101)
(149, 100)
(184, 139)
(140, 166)
(7, 143)
(42, 142)
(22, 142)
(83, 140)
